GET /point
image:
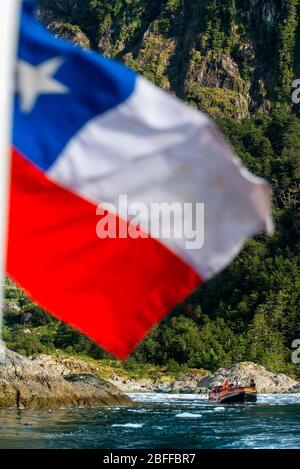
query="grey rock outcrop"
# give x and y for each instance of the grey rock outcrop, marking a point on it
(266, 381)
(26, 383)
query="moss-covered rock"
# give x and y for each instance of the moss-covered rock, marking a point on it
(153, 59)
(217, 102)
(70, 32)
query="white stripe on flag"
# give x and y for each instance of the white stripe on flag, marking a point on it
(155, 149)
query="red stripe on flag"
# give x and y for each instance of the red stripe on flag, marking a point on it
(113, 290)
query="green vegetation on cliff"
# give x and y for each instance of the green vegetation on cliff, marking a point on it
(235, 59)
(248, 47)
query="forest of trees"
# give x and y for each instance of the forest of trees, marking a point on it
(252, 310)
(249, 312)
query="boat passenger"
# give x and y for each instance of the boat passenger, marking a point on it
(252, 384)
(225, 385)
(237, 382)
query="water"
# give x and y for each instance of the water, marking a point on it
(158, 421)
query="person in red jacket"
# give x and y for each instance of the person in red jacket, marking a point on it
(225, 385)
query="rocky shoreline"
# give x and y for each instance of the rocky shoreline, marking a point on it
(193, 381)
(59, 381)
(27, 383)
(199, 382)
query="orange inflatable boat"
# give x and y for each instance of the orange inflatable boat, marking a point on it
(233, 395)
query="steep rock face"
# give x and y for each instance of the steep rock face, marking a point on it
(216, 86)
(30, 383)
(70, 33)
(63, 29)
(246, 48)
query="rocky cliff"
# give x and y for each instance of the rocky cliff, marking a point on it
(32, 383)
(229, 57)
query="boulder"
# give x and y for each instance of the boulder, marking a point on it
(266, 381)
(24, 382)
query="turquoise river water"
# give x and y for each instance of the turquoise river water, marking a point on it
(159, 421)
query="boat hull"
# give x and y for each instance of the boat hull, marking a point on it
(234, 396)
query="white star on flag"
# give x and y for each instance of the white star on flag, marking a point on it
(33, 81)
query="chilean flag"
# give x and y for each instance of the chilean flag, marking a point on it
(87, 130)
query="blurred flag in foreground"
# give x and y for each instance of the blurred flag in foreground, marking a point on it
(87, 131)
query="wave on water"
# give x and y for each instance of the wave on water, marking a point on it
(188, 415)
(200, 399)
(139, 411)
(128, 425)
